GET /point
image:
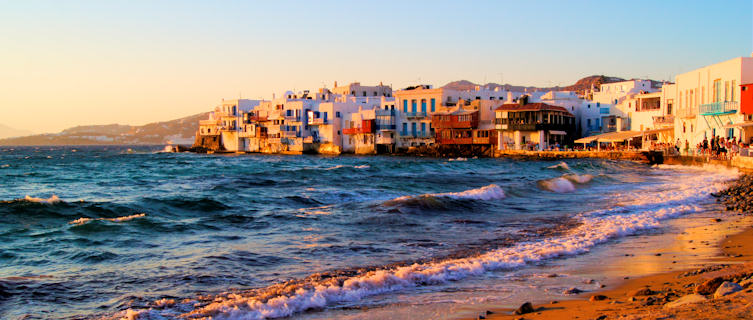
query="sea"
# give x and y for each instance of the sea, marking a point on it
(110, 232)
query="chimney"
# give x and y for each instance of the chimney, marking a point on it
(509, 97)
(523, 100)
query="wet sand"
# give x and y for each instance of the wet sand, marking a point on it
(733, 261)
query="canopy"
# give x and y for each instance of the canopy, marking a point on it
(618, 136)
(652, 131)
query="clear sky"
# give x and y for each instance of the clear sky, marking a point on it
(67, 63)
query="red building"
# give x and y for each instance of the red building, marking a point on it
(461, 128)
(746, 98)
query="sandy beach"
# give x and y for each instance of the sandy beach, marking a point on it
(655, 296)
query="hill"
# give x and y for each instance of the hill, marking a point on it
(7, 132)
(180, 131)
(580, 86)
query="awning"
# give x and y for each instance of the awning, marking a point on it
(557, 132)
(738, 125)
(611, 137)
(652, 131)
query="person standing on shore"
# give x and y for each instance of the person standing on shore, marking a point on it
(687, 147)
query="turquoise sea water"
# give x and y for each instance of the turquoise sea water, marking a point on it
(90, 232)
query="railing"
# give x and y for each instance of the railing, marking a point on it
(717, 108)
(386, 126)
(417, 134)
(289, 134)
(257, 118)
(293, 118)
(317, 121)
(384, 140)
(354, 130)
(414, 114)
(664, 120)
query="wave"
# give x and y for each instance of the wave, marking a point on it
(565, 183)
(560, 166)
(83, 220)
(286, 299)
(490, 192)
(458, 159)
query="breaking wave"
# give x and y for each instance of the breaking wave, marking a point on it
(84, 220)
(490, 192)
(286, 299)
(561, 166)
(565, 183)
(52, 199)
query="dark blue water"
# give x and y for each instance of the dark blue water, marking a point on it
(137, 229)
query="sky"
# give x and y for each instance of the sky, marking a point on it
(68, 63)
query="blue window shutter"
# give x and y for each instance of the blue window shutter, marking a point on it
(433, 104)
(405, 106)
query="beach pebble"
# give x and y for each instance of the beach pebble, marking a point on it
(641, 292)
(598, 297)
(691, 298)
(525, 308)
(573, 290)
(727, 288)
(709, 286)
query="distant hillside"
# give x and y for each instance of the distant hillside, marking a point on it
(176, 131)
(7, 132)
(580, 86)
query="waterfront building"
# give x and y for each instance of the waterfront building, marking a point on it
(609, 108)
(533, 126)
(357, 90)
(371, 131)
(417, 104)
(223, 126)
(460, 130)
(707, 102)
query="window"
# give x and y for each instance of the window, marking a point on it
(433, 104)
(413, 105)
(405, 129)
(325, 116)
(717, 90)
(423, 128)
(337, 114)
(375, 93)
(423, 105)
(413, 128)
(405, 106)
(732, 91)
(364, 93)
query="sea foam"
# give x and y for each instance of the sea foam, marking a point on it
(677, 196)
(490, 192)
(84, 220)
(52, 199)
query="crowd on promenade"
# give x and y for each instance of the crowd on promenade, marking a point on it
(715, 148)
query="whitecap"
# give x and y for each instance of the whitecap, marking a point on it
(490, 192)
(561, 166)
(363, 166)
(83, 220)
(52, 199)
(559, 185)
(596, 227)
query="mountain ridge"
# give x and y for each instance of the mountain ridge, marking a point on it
(181, 130)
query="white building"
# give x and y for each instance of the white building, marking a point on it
(707, 102)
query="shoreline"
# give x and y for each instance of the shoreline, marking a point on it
(733, 262)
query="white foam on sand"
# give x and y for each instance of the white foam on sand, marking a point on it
(490, 192)
(647, 210)
(52, 199)
(82, 220)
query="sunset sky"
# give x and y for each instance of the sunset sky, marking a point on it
(67, 63)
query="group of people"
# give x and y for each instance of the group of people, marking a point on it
(717, 147)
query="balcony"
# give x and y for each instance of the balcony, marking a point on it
(289, 134)
(664, 121)
(718, 108)
(293, 118)
(317, 121)
(414, 114)
(355, 130)
(380, 127)
(417, 134)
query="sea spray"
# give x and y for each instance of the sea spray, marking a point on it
(596, 227)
